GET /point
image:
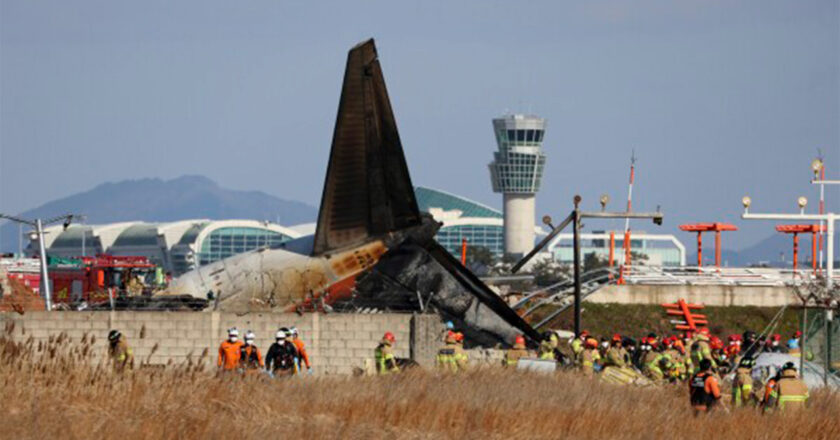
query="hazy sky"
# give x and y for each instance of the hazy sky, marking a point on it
(718, 98)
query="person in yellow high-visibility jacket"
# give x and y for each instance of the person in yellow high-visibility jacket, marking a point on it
(451, 357)
(742, 385)
(589, 357)
(790, 392)
(386, 362)
(577, 345)
(122, 356)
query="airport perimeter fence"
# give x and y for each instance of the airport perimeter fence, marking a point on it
(821, 342)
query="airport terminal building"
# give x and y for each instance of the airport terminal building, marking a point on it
(175, 246)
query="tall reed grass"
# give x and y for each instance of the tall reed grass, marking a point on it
(65, 389)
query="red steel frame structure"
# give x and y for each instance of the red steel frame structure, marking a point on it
(700, 228)
(814, 230)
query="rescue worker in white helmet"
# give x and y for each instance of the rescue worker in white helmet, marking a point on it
(250, 358)
(280, 359)
(303, 356)
(230, 351)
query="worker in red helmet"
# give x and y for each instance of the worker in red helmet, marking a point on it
(733, 348)
(655, 363)
(386, 362)
(702, 350)
(589, 356)
(775, 344)
(519, 351)
(451, 358)
(723, 361)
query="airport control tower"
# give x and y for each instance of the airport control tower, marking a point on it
(516, 172)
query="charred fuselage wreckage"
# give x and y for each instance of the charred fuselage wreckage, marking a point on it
(369, 230)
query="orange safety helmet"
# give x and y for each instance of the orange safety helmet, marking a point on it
(678, 344)
(459, 337)
(715, 343)
(389, 337)
(520, 340)
(450, 336)
(704, 331)
(616, 337)
(591, 343)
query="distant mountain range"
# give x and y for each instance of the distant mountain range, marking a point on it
(157, 200)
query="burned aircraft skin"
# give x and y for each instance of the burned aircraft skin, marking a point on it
(368, 210)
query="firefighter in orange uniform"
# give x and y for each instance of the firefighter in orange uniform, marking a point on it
(303, 357)
(704, 390)
(230, 351)
(250, 358)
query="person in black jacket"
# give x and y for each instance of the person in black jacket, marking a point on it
(280, 359)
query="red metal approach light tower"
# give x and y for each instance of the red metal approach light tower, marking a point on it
(700, 228)
(814, 230)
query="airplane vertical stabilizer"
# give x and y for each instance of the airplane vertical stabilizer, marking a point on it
(368, 190)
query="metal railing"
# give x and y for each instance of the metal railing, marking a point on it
(724, 276)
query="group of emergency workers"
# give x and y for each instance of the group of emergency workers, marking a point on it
(287, 356)
(700, 359)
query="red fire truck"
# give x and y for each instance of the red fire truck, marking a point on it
(93, 279)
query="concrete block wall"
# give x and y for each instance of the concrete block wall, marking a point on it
(336, 343)
(710, 295)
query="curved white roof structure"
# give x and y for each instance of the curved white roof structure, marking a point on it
(172, 245)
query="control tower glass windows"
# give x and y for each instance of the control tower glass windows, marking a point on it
(520, 137)
(519, 160)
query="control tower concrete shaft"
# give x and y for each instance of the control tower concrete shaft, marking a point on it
(516, 172)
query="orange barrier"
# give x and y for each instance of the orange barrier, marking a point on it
(690, 321)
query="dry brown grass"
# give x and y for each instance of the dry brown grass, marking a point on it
(60, 389)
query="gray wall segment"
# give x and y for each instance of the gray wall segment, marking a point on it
(336, 343)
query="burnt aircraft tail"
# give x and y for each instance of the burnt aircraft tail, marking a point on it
(368, 190)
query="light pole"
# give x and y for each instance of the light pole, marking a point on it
(38, 224)
(818, 167)
(575, 218)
